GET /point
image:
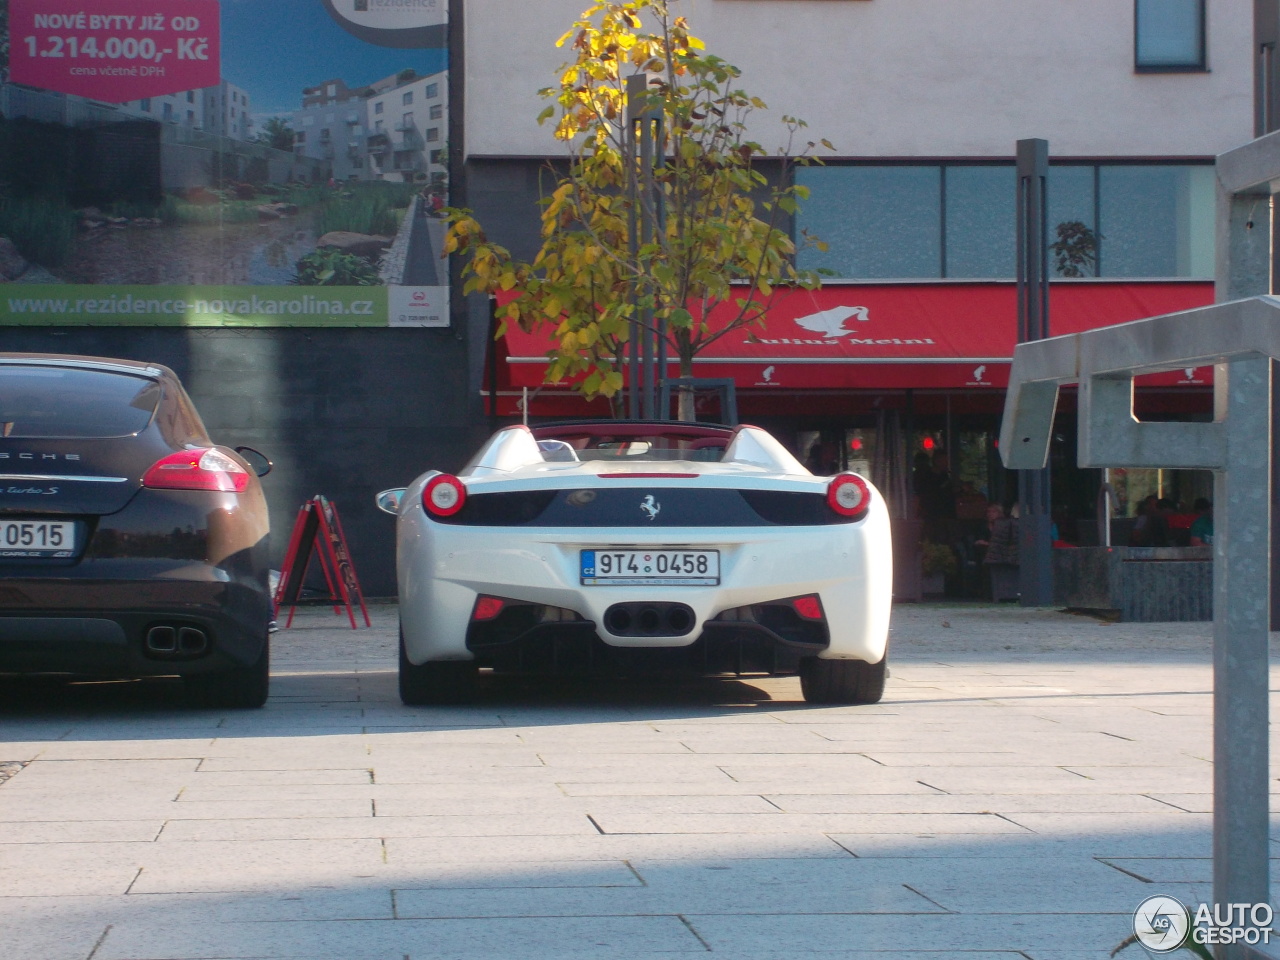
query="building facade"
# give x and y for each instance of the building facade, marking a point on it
(924, 103)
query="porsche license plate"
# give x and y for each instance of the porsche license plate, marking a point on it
(650, 568)
(37, 538)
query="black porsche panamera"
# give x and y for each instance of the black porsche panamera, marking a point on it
(131, 545)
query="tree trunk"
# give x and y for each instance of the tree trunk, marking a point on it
(685, 405)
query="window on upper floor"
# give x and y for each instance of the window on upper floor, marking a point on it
(1169, 36)
(407, 98)
(437, 111)
(956, 220)
(431, 91)
(378, 107)
(433, 134)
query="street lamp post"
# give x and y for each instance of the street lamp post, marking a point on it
(1035, 569)
(647, 362)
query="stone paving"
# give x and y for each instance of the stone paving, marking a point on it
(1028, 779)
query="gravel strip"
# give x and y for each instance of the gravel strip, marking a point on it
(937, 629)
(9, 768)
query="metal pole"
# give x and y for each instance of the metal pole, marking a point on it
(1035, 537)
(646, 237)
(660, 233)
(1241, 568)
(635, 91)
(1266, 78)
(644, 138)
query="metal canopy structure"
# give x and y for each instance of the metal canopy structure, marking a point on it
(1240, 338)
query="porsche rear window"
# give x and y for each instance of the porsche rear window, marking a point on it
(53, 402)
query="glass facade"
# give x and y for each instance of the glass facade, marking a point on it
(1156, 221)
(957, 221)
(880, 222)
(979, 214)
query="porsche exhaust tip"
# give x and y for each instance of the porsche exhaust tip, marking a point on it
(176, 640)
(163, 639)
(192, 641)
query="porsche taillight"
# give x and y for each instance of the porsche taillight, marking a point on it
(203, 468)
(444, 495)
(848, 494)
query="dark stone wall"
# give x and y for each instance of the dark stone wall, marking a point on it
(341, 412)
(503, 194)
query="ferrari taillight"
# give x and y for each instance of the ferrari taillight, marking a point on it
(444, 495)
(808, 606)
(848, 494)
(487, 608)
(203, 468)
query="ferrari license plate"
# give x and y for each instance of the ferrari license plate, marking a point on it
(650, 568)
(37, 538)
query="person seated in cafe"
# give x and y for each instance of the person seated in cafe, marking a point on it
(1202, 525)
(1151, 529)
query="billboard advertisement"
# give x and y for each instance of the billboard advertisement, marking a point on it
(223, 162)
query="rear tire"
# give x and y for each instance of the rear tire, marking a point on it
(842, 681)
(436, 681)
(240, 688)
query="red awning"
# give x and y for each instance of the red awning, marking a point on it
(895, 336)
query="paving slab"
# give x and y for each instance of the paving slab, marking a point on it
(1029, 777)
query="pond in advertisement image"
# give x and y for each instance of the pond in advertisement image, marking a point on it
(352, 234)
(258, 253)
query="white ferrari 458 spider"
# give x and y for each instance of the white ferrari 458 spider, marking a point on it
(618, 547)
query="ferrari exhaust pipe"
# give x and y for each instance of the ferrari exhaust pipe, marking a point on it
(618, 620)
(679, 620)
(649, 619)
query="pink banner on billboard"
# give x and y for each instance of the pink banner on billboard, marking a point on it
(115, 50)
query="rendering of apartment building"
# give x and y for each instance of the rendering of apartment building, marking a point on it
(394, 129)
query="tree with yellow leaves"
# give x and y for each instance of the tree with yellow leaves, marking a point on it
(720, 240)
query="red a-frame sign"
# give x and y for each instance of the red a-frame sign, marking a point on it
(318, 525)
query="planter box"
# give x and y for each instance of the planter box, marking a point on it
(933, 584)
(1137, 584)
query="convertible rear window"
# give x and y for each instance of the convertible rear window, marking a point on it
(630, 442)
(39, 402)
